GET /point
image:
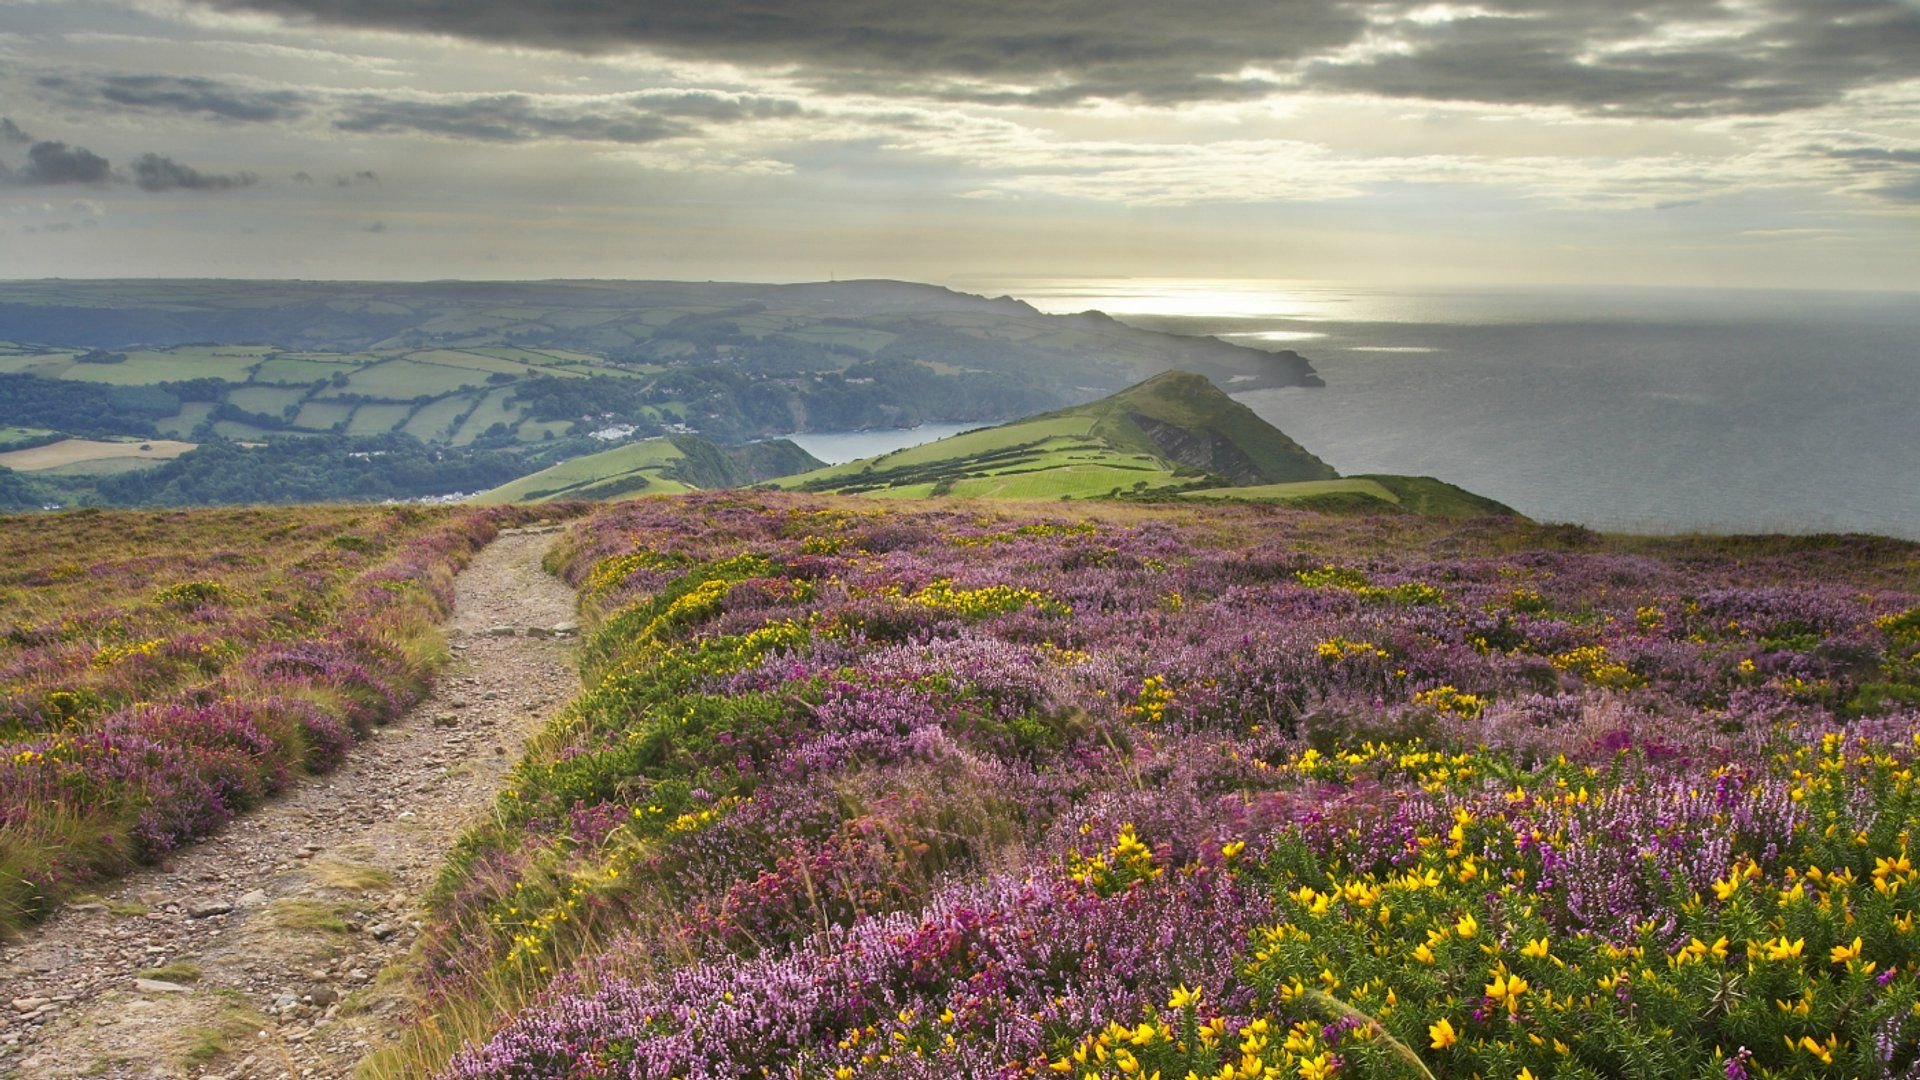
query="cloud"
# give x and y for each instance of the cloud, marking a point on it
(1878, 154)
(339, 180)
(10, 133)
(1666, 58)
(649, 116)
(58, 163)
(155, 173)
(177, 94)
(1640, 58)
(1071, 49)
(375, 227)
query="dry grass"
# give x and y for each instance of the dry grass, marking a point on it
(68, 452)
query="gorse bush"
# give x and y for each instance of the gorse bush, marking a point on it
(913, 792)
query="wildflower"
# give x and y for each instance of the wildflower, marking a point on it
(1443, 1034)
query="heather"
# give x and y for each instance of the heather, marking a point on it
(951, 791)
(162, 672)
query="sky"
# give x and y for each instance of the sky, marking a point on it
(1765, 143)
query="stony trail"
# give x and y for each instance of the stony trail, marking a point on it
(258, 953)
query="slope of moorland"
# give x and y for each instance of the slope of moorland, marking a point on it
(917, 790)
(517, 376)
(163, 672)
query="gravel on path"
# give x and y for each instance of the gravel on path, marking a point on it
(258, 953)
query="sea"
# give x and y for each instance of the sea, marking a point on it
(1624, 409)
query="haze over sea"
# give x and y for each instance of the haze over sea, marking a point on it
(1652, 410)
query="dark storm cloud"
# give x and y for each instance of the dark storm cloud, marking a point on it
(1593, 55)
(58, 163)
(175, 94)
(155, 173)
(1074, 49)
(10, 133)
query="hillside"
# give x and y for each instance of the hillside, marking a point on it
(1119, 791)
(498, 363)
(1367, 492)
(486, 381)
(656, 467)
(1173, 429)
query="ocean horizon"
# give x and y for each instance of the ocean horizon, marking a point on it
(1626, 409)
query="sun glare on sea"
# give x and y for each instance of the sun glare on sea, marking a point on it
(1198, 299)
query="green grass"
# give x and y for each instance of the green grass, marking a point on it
(271, 400)
(1300, 490)
(181, 424)
(322, 415)
(13, 436)
(291, 369)
(231, 363)
(493, 409)
(403, 379)
(436, 421)
(377, 419)
(632, 469)
(177, 972)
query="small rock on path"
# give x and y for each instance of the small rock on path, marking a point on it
(256, 953)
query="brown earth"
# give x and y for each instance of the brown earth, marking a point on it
(260, 952)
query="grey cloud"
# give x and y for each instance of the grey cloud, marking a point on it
(714, 105)
(155, 173)
(1072, 50)
(508, 118)
(1878, 155)
(58, 163)
(1900, 191)
(176, 94)
(340, 180)
(1600, 56)
(1611, 59)
(10, 132)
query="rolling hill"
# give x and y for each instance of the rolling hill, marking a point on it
(1176, 434)
(655, 467)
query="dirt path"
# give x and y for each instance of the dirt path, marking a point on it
(259, 952)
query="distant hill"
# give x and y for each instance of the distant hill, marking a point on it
(504, 363)
(1174, 430)
(656, 467)
(1174, 435)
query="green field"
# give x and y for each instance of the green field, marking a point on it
(271, 400)
(493, 410)
(1301, 490)
(323, 415)
(182, 423)
(403, 379)
(377, 419)
(437, 420)
(231, 363)
(297, 371)
(632, 469)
